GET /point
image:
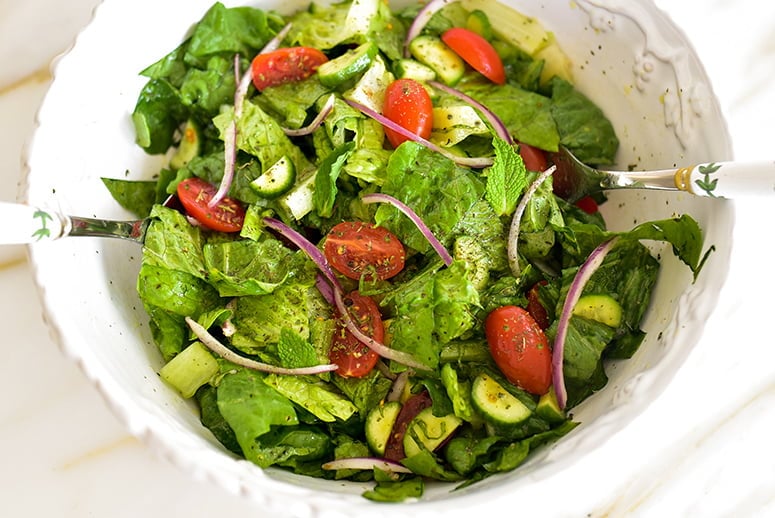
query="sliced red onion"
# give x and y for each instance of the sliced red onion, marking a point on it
(583, 275)
(421, 20)
(328, 107)
(230, 136)
(412, 215)
(516, 220)
(500, 128)
(325, 289)
(473, 162)
(308, 248)
(367, 463)
(224, 352)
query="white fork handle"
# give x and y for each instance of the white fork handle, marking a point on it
(24, 224)
(727, 179)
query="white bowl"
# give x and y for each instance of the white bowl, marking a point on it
(628, 57)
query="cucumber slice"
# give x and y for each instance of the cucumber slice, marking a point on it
(548, 408)
(190, 369)
(379, 425)
(189, 146)
(496, 404)
(601, 308)
(479, 23)
(298, 201)
(431, 51)
(276, 180)
(426, 431)
(453, 124)
(352, 63)
(412, 69)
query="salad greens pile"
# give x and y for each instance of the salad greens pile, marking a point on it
(259, 296)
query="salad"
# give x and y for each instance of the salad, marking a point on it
(360, 265)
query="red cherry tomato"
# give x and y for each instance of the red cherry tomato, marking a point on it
(357, 249)
(195, 195)
(520, 348)
(285, 65)
(587, 204)
(534, 158)
(408, 104)
(477, 52)
(353, 357)
(535, 308)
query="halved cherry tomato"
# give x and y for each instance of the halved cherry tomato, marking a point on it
(285, 65)
(353, 357)
(357, 249)
(534, 158)
(535, 308)
(408, 104)
(195, 195)
(587, 204)
(477, 52)
(394, 449)
(520, 348)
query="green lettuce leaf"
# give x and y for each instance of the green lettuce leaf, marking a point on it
(439, 191)
(313, 396)
(252, 408)
(248, 267)
(583, 127)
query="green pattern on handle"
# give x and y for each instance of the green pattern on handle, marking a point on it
(706, 183)
(43, 231)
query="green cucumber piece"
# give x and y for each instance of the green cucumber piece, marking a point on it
(190, 369)
(352, 63)
(427, 431)
(548, 408)
(412, 69)
(189, 147)
(479, 23)
(601, 308)
(379, 425)
(496, 404)
(276, 180)
(431, 51)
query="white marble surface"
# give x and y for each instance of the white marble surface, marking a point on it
(703, 449)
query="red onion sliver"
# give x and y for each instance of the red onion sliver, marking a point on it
(307, 247)
(325, 289)
(412, 215)
(328, 107)
(227, 354)
(583, 275)
(473, 162)
(230, 136)
(419, 22)
(516, 220)
(367, 463)
(494, 120)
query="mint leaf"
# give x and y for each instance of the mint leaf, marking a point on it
(294, 351)
(506, 179)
